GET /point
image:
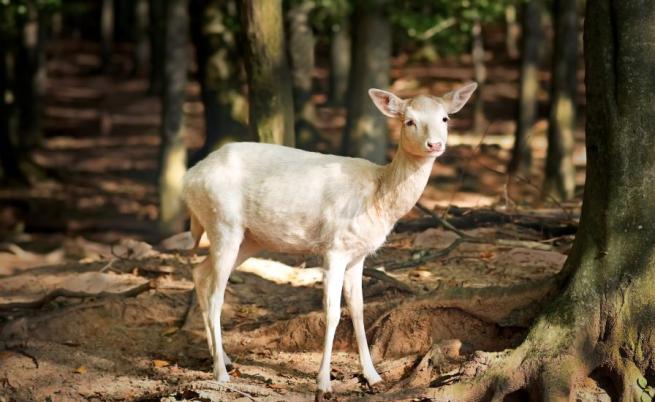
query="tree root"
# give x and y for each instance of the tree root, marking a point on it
(538, 374)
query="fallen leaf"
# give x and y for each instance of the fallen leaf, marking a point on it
(160, 363)
(169, 331)
(80, 370)
(279, 388)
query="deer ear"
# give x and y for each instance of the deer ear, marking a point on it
(456, 99)
(388, 103)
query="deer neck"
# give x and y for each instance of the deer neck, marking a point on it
(401, 184)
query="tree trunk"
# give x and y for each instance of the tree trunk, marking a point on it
(602, 323)
(270, 88)
(339, 62)
(157, 31)
(106, 32)
(366, 131)
(219, 74)
(30, 77)
(141, 40)
(9, 159)
(172, 160)
(301, 56)
(528, 88)
(512, 31)
(560, 172)
(477, 53)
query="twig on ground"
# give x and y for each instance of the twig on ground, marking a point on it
(442, 221)
(425, 258)
(109, 265)
(60, 292)
(23, 352)
(218, 387)
(380, 275)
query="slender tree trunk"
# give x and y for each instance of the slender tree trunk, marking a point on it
(173, 152)
(477, 53)
(366, 131)
(30, 77)
(107, 32)
(219, 73)
(301, 56)
(141, 40)
(560, 172)
(339, 62)
(9, 154)
(528, 87)
(512, 31)
(602, 323)
(157, 31)
(270, 88)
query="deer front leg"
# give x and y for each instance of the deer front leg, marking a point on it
(335, 267)
(354, 299)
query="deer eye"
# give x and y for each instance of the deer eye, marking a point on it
(410, 123)
(445, 119)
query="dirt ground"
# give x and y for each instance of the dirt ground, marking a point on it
(95, 307)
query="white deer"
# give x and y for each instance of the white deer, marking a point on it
(249, 197)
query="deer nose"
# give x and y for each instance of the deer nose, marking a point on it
(435, 146)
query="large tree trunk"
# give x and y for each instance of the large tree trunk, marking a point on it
(219, 73)
(528, 87)
(602, 323)
(9, 160)
(477, 53)
(172, 160)
(270, 89)
(301, 57)
(339, 61)
(141, 40)
(30, 76)
(157, 18)
(366, 131)
(512, 30)
(106, 32)
(560, 172)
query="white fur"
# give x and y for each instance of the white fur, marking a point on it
(250, 197)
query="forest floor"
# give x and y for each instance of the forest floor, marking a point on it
(93, 306)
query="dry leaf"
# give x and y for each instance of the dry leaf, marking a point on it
(80, 370)
(160, 363)
(279, 388)
(169, 331)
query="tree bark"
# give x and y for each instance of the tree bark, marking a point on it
(156, 11)
(270, 88)
(106, 32)
(521, 160)
(512, 31)
(366, 131)
(172, 159)
(339, 62)
(560, 172)
(477, 53)
(30, 77)
(219, 74)
(141, 40)
(601, 323)
(8, 151)
(301, 57)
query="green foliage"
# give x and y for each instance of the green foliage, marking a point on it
(328, 15)
(13, 12)
(445, 23)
